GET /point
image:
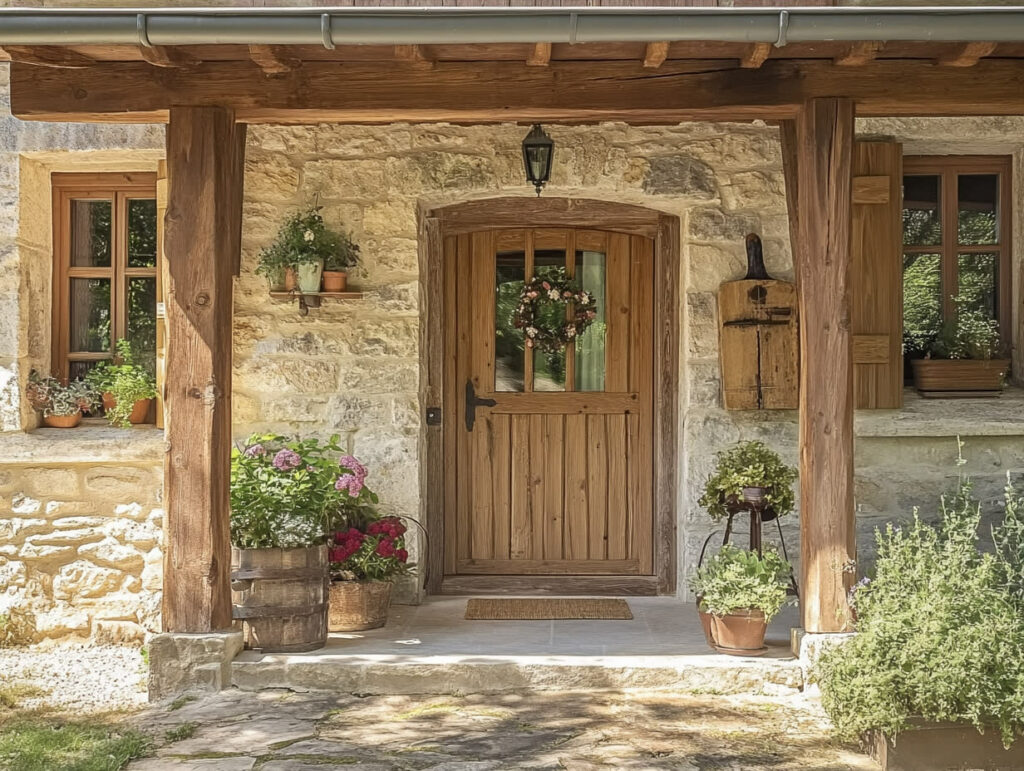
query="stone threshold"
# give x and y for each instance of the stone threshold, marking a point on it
(92, 443)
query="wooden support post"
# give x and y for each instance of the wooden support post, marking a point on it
(201, 243)
(825, 132)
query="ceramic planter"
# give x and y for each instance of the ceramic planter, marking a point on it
(62, 421)
(358, 605)
(926, 746)
(335, 281)
(740, 632)
(276, 280)
(308, 274)
(959, 377)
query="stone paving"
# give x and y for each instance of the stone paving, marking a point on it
(285, 731)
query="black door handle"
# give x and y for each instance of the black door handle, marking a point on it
(472, 402)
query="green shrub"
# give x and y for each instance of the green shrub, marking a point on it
(940, 628)
(749, 464)
(126, 380)
(737, 579)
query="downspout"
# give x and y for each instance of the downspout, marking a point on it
(403, 26)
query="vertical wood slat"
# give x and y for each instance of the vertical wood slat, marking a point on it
(552, 508)
(521, 493)
(501, 479)
(450, 267)
(481, 485)
(618, 521)
(825, 130)
(617, 338)
(597, 486)
(640, 435)
(481, 372)
(202, 245)
(576, 526)
(462, 533)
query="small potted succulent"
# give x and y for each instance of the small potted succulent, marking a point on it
(128, 388)
(749, 475)
(301, 247)
(741, 591)
(966, 356)
(62, 405)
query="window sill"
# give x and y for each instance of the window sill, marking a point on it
(93, 442)
(1001, 416)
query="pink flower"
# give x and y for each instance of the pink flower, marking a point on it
(546, 285)
(255, 451)
(353, 485)
(401, 555)
(286, 460)
(358, 469)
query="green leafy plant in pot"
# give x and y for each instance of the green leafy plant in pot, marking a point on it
(749, 473)
(303, 244)
(741, 591)
(128, 388)
(62, 405)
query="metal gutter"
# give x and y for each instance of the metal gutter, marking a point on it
(329, 27)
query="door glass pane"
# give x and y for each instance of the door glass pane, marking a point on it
(509, 346)
(90, 234)
(89, 311)
(978, 208)
(922, 301)
(922, 223)
(142, 233)
(979, 282)
(590, 359)
(142, 320)
(549, 368)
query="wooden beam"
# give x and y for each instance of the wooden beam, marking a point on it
(860, 53)
(474, 92)
(825, 133)
(201, 244)
(273, 60)
(414, 55)
(755, 56)
(540, 55)
(167, 56)
(967, 55)
(47, 56)
(655, 55)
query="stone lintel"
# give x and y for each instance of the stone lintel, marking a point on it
(179, 663)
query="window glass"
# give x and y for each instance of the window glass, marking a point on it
(509, 346)
(979, 283)
(142, 233)
(90, 315)
(141, 332)
(922, 301)
(90, 233)
(549, 368)
(922, 220)
(978, 209)
(590, 346)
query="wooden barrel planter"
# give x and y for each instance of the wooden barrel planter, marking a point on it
(280, 597)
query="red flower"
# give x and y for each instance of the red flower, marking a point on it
(337, 554)
(401, 555)
(386, 548)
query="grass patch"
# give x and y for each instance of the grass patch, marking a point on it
(180, 702)
(12, 694)
(42, 744)
(180, 732)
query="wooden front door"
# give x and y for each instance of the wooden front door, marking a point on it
(549, 456)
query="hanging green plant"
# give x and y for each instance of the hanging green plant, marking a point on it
(553, 311)
(746, 465)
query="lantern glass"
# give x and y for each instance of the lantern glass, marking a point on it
(538, 151)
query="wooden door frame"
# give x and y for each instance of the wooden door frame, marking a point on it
(434, 225)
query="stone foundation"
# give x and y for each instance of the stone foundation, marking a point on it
(180, 663)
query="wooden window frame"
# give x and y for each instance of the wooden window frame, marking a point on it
(119, 188)
(947, 168)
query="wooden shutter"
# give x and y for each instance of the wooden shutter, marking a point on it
(876, 292)
(161, 282)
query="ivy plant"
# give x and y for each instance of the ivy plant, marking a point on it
(735, 579)
(749, 464)
(940, 628)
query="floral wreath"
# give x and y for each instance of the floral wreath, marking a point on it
(553, 287)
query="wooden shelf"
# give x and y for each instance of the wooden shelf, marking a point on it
(309, 300)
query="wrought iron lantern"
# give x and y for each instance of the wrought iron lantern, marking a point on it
(538, 150)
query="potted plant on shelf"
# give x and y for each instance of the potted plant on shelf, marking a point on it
(62, 405)
(965, 358)
(741, 591)
(932, 677)
(337, 263)
(749, 473)
(282, 491)
(128, 388)
(302, 246)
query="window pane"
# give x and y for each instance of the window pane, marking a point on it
(509, 357)
(549, 368)
(922, 301)
(922, 222)
(978, 205)
(89, 312)
(142, 233)
(590, 360)
(979, 281)
(79, 369)
(90, 234)
(142, 320)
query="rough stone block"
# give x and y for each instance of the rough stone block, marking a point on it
(117, 633)
(191, 662)
(680, 175)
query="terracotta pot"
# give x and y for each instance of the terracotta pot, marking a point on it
(335, 281)
(358, 605)
(309, 276)
(109, 402)
(953, 376)
(62, 421)
(741, 630)
(140, 411)
(705, 624)
(291, 280)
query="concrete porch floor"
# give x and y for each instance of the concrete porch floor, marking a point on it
(432, 648)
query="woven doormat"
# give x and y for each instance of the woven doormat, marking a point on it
(541, 609)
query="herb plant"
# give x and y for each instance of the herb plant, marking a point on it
(125, 380)
(749, 464)
(970, 335)
(284, 492)
(940, 628)
(736, 579)
(53, 398)
(304, 238)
